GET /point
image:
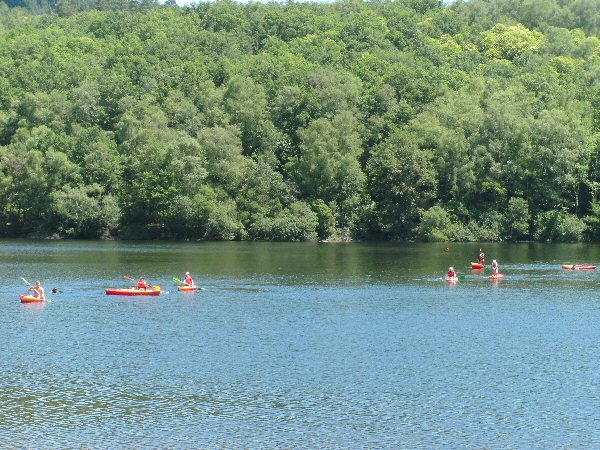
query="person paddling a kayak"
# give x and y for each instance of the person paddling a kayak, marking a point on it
(38, 291)
(188, 279)
(451, 273)
(141, 284)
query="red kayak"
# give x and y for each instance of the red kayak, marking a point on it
(477, 266)
(132, 291)
(31, 299)
(187, 288)
(578, 267)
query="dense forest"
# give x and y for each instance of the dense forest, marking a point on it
(388, 120)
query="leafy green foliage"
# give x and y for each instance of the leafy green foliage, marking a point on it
(297, 223)
(516, 220)
(402, 184)
(84, 212)
(510, 42)
(300, 121)
(558, 226)
(325, 218)
(436, 225)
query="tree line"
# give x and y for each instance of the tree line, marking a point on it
(387, 120)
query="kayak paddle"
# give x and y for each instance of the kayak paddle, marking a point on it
(177, 280)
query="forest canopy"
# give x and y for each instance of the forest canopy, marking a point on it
(387, 120)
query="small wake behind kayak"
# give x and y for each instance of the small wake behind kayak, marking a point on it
(31, 299)
(132, 291)
(578, 267)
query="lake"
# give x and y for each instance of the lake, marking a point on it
(300, 346)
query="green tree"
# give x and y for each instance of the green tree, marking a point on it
(296, 223)
(558, 226)
(402, 183)
(328, 166)
(226, 164)
(593, 221)
(516, 220)
(84, 212)
(436, 225)
(510, 42)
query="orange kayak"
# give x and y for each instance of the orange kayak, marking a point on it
(132, 291)
(477, 266)
(578, 267)
(496, 276)
(31, 299)
(187, 288)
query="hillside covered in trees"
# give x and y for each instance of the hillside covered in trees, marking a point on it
(405, 119)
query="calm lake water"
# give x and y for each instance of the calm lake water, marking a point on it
(300, 346)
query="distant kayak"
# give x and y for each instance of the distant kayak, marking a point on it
(496, 276)
(31, 299)
(477, 266)
(187, 288)
(451, 279)
(132, 291)
(578, 267)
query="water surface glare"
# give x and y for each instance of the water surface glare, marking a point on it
(300, 346)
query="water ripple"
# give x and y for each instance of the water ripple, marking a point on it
(282, 359)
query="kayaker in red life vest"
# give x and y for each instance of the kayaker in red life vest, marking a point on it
(38, 290)
(451, 272)
(481, 257)
(142, 284)
(495, 267)
(188, 279)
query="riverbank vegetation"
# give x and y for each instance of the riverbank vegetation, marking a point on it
(384, 120)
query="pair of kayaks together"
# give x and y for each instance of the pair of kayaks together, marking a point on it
(478, 266)
(578, 267)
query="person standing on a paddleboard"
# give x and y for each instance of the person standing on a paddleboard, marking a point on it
(481, 258)
(495, 267)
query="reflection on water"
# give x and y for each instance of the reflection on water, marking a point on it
(299, 345)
